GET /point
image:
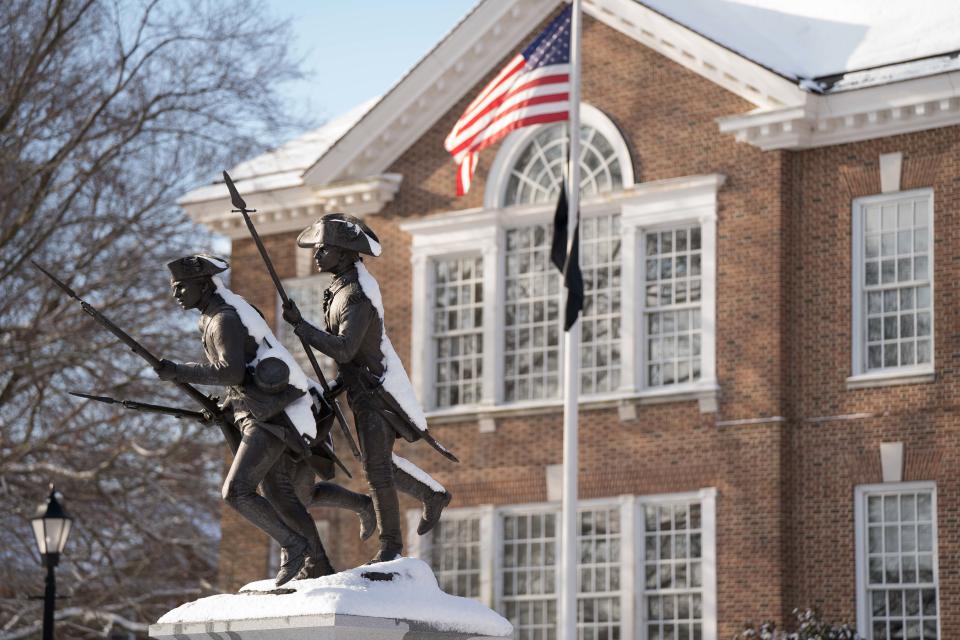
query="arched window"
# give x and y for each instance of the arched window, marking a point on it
(530, 164)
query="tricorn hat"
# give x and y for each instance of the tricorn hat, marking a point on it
(198, 266)
(341, 230)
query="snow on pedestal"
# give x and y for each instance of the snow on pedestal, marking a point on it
(346, 605)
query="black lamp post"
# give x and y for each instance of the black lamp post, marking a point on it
(51, 526)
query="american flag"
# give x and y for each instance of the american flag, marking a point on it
(533, 88)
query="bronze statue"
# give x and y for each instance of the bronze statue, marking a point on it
(377, 387)
(268, 410)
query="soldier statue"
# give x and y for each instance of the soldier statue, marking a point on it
(377, 387)
(264, 406)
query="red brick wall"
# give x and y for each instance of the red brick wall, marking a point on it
(785, 487)
(830, 458)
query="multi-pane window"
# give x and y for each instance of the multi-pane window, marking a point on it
(536, 175)
(674, 543)
(532, 316)
(901, 581)
(600, 323)
(308, 294)
(673, 571)
(895, 282)
(458, 330)
(672, 280)
(455, 556)
(529, 576)
(598, 583)
(532, 311)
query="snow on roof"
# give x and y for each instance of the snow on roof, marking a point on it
(413, 594)
(283, 167)
(807, 39)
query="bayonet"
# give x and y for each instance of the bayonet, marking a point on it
(177, 412)
(241, 207)
(146, 407)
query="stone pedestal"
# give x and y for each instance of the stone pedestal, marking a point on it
(386, 601)
(313, 627)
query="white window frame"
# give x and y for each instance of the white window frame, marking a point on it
(861, 493)
(912, 374)
(647, 206)
(514, 144)
(708, 556)
(419, 546)
(632, 605)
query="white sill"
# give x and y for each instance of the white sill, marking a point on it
(914, 375)
(704, 392)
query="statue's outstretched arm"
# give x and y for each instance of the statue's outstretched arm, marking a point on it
(228, 335)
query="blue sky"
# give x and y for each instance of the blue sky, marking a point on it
(357, 50)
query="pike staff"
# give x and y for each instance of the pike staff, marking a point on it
(241, 207)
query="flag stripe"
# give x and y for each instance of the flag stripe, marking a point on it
(508, 111)
(545, 75)
(532, 88)
(536, 115)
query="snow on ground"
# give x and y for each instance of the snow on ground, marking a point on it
(815, 38)
(412, 595)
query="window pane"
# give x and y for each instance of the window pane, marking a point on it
(673, 591)
(896, 284)
(672, 317)
(458, 331)
(901, 588)
(455, 555)
(536, 175)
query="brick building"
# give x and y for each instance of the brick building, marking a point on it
(768, 367)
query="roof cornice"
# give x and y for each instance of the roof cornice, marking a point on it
(286, 210)
(496, 27)
(851, 116)
(739, 75)
(493, 29)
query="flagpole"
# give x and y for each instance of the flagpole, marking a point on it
(567, 624)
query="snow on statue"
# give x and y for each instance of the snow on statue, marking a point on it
(380, 394)
(270, 411)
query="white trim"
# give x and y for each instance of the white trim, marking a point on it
(630, 508)
(704, 394)
(706, 58)
(438, 81)
(860, 377)
(707, 499)
(864, 114)
(477, 236)
(910, 375)
(292, 209)
(861, 492)
(516, 142)
(644, 206)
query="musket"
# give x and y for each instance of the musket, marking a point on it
(177, 412)
(230, 430)
(241, 207)
(198, 396)
(146, 407)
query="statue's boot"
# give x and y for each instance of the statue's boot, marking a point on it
(294, 556)
(387, 506)
(329, 494)
(433, 501)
